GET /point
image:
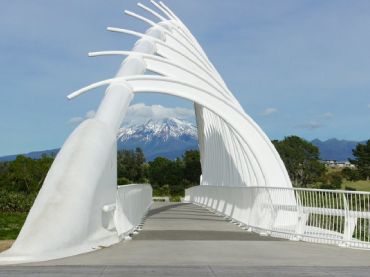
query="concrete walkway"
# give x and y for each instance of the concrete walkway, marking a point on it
(186, 240)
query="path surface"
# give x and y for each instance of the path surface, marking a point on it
(5, 244)
(186, 240)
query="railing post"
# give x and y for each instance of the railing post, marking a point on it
(349, 224)
(301, 219)
(268, 231)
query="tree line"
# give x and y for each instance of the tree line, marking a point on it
(167, 177)
(301, 159)
(21, 179)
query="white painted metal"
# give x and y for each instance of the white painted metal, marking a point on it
(132, 203)
(265, 165)
(320, 216)
(68, 215)
(79, 207)
(116, 220)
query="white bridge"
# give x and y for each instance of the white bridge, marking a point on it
(79, 208)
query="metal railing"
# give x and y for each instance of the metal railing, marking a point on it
(132, 204)
(314, 215)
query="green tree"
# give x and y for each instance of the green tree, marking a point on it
(22, 174)
(331, 181)
(26, 174)
(164, 171)
(192, 167)
(20, 181)
(351, 174)
(4, 174)
(139, 164)
(131, 165)
(336, 181)
(301, 159)
(362, 159)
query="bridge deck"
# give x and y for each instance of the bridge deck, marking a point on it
(186, 240)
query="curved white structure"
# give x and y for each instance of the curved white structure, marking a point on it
(78, 208)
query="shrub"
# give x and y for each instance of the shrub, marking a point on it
(161, 190)
(123, 181)
(176, 198)
(351, 174)
(16, 201)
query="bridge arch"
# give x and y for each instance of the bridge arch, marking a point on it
(79, 208)
(261, 151)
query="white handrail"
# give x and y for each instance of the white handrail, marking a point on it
(318, 215)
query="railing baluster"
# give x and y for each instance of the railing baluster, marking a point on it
(325, 216)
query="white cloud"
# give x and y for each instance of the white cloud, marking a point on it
(313, 125)
(78, 119)
(90, 114)
(75, 120)
(316, 124)
(327, 115)
(269, 111)
(139, 113)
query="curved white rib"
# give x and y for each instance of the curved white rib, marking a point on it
(152, 78)
(189, 35)
(165, 85)
(173, 16)
(95, 85)
(174, 41)
(142, 18)
(168, 68)
(171, 53)
(160, 8)
(170, 45)
(151, 12)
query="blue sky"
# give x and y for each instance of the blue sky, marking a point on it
(297, 67)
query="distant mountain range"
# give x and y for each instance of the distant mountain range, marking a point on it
(335, 149)
(171, 137)
(32, 155)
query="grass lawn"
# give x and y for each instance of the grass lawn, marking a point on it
(361, 185)
(333, 169)
(11, 224)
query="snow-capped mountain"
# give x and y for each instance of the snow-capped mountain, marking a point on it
(169, 137)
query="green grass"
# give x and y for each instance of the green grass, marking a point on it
(11, 224)
(361, 185)
(333, 169)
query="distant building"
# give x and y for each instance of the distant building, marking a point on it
(337, 164)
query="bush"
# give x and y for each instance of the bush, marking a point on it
(331, 181)
(16, 201)
(161, 190)
(351, 174)
(123, 181)
(177, 190)
(176, 198)
(336, 180)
